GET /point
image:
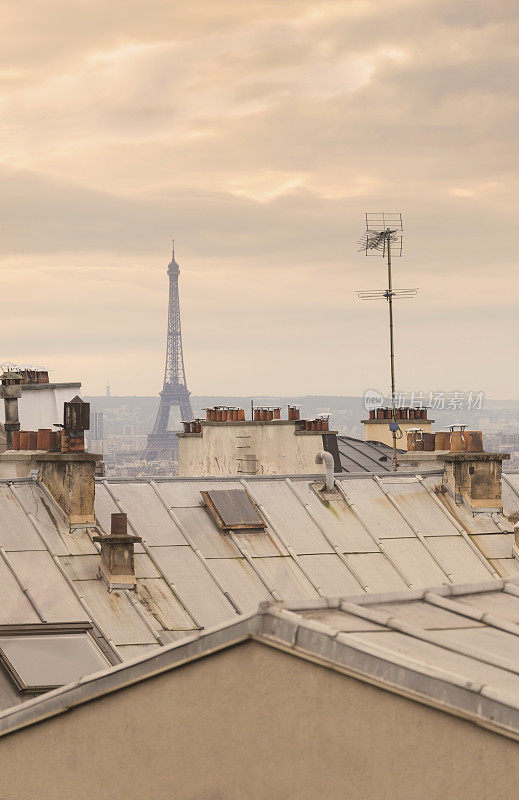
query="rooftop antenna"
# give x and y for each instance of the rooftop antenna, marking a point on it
(383, 238)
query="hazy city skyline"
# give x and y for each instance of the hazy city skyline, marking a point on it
(257, 135)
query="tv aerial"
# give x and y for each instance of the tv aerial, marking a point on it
(383, 238)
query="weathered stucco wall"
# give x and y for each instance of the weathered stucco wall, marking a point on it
(72, 484)
(274, 448)
(70, 478)
(256, 723)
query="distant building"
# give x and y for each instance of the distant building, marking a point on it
(97, 425)
(226, 443)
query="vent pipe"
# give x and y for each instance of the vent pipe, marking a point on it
(327, 458)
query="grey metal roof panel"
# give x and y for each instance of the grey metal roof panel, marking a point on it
(118, 618)
(341, 620)
(506, 567)
(425, 615)
(15, 607)
(499, 603)
(463, 564)
(180, 493)
(415, 502)
(16, 530)
(204, 534)
(380, 515)
(51, 592)
(486, 639)
(194, 584)
(494, 545)
(510, 493)
(342, 527)
(35, 500)
(245, 586)
(285, 513)
(77, 541)
(377, 572)
(146, 513)
(260, 545)
(330, 574)
(479, 523)
(131, 651)
(81, 568)
(144, 567)
(163, 605)
(415, 562)
(104, 505)
(49, 522)
(286, 578)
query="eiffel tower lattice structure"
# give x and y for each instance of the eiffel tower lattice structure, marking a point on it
(162, 443)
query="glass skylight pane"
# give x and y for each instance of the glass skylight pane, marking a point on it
(43, 661)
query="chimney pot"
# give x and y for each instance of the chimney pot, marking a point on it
(119, 523)
(43, 439)
(474, 441)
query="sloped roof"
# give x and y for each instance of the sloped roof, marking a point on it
(510, 485)
(450, 647)
(356, 455)
(373, 534)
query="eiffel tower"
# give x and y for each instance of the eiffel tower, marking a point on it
(162, 443)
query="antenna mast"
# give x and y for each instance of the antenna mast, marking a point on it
(383, 238)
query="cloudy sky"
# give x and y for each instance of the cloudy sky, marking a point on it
(257, 133)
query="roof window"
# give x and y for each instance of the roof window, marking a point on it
(45, 657)
(233, 510)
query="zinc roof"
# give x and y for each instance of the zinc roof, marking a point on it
(372, 534)
(356, 455)
(452, 647)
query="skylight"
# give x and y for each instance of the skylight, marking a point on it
(233, 509)
(37, 663)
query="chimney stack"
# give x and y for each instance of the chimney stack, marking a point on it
(60, 459)
(76, 420)
(475, 477)
(117, 567)
(409, 419)
(11, 392)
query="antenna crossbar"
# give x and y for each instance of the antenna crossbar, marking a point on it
(378, 294)
(383, 237)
